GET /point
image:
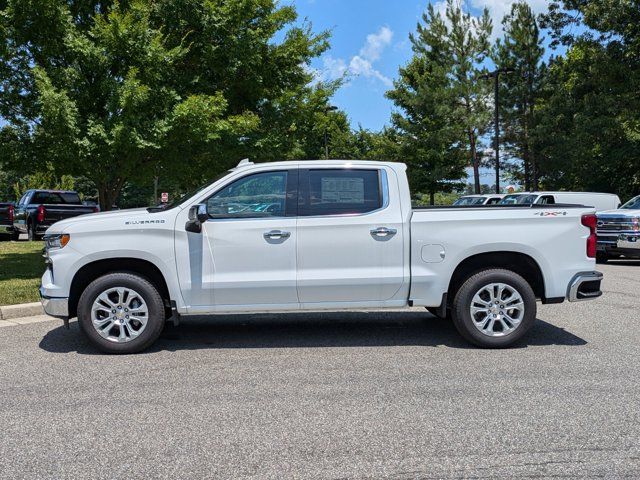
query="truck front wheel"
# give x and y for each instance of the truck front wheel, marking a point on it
(494, 308)
(121, 313)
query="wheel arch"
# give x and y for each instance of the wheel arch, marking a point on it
(93, 270)
(518, 262)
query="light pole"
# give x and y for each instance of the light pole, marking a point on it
(327, 109)
(496, 142)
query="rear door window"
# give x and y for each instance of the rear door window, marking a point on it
(339, 192)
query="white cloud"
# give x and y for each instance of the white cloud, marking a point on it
(376, 42)
(497, 10)
(334, 67)
(361, 64)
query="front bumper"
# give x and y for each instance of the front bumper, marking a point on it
(614, 245)
(584, 286)
(54, 306)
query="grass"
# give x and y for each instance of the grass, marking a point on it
(21, 266)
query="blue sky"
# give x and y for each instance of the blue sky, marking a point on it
(370, 40)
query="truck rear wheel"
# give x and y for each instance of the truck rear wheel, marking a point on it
(494, 308)
(121, 313)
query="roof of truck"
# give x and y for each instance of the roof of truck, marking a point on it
(245, 163)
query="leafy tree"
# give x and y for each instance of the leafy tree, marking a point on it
(589, 128)
(586, 133)
(43, 180)
(443, 106)
(522, 51)
(117, 91)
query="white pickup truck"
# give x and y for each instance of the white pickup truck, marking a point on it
(312, 235)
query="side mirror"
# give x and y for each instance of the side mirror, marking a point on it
(197, 216)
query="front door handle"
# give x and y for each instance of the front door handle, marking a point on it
(276, 234)
(383, 232)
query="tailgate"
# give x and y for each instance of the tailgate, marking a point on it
(54, 213)
(4, 214)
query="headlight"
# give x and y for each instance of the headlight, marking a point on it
(56, 241)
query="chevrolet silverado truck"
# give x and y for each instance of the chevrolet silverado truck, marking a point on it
(37, 210)
(310, 235)
(618, 232)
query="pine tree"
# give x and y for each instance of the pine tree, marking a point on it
(522, 51)
(443, 105)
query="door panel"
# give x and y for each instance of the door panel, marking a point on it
(347, 257)
(248, 249)
(249, 268)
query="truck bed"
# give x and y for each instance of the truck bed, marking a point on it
(552, 236)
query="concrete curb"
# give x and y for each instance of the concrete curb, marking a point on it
(22, 310)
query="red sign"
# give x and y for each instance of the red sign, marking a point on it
(164, 197)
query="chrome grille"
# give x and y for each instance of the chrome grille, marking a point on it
(616, 224)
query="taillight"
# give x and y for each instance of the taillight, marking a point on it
(11, 213)
(40, 214)
(590, 221)
(96, 209)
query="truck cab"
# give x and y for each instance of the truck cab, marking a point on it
(485, 199)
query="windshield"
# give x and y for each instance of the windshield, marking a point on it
(469, 201)
(518, 199)
(633, 204)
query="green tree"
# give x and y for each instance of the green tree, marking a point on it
(117, 91)
(443, 107)
(589, 128)
(522, 51)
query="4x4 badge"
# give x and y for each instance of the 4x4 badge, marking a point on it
(550, 214)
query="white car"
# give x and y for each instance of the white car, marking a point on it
(619, 232)
(336, 235)
(600, 201)
(486, 199)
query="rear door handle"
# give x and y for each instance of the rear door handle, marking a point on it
(383, 232)
(276, 234)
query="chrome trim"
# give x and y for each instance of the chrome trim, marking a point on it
(383, 231)
(577, 281)
(385, 189)
(616, 225)
(276, 234)
(54, 306)
(624, 241)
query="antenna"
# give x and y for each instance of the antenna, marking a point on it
(243, 162)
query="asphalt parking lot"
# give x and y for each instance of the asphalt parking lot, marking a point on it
(334, 395)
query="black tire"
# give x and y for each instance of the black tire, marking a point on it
(150, 295)
(461, 314)
(602, 258)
